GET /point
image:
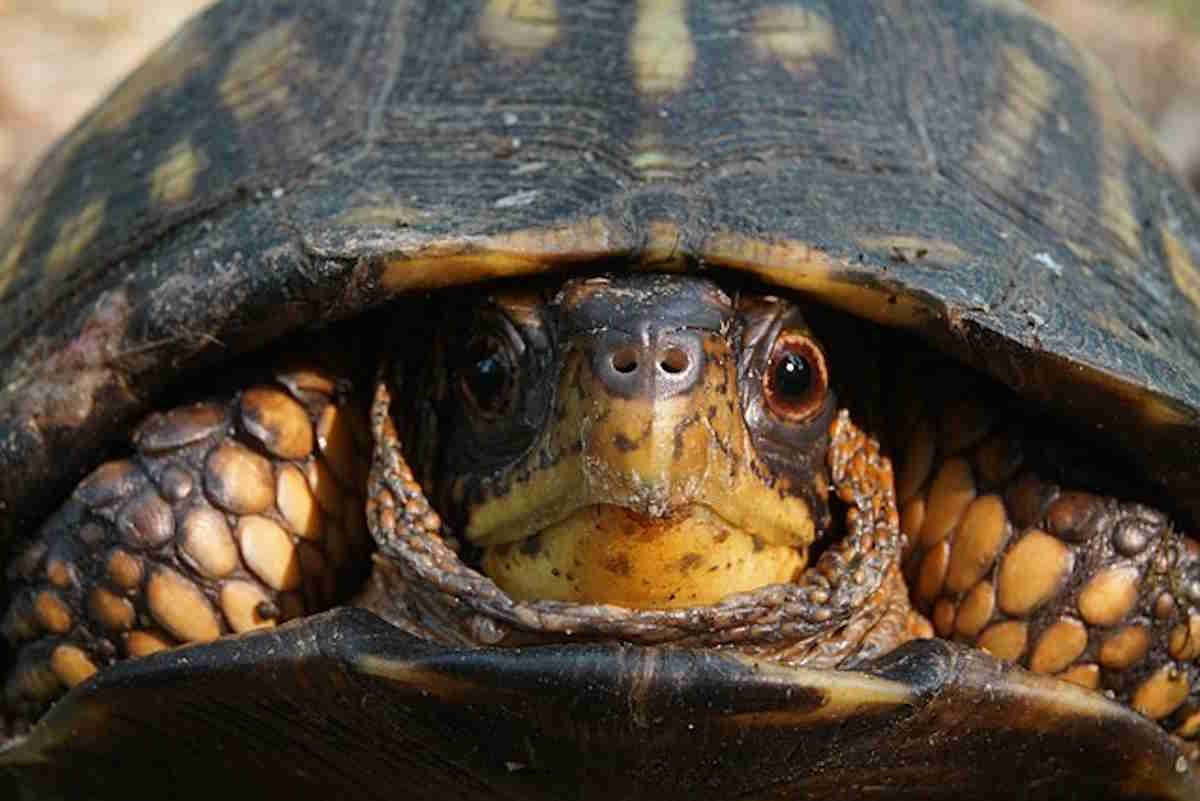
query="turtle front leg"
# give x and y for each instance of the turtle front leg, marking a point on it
(233, 514)
(1060, 577)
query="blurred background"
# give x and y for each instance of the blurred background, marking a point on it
(58, 57)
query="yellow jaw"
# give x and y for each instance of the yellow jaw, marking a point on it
(608, 554)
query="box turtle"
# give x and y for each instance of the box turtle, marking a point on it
(500, 399)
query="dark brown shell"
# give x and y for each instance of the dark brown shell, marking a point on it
(344, 705)
(953, 168)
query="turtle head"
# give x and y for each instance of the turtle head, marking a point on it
(647, 441)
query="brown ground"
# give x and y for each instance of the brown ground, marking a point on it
(1153, 46)
(58, 57)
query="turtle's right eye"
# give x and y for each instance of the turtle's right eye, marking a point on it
(796, 379)
(487, 376)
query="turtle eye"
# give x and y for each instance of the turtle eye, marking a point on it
(796, 380)
(487, 376)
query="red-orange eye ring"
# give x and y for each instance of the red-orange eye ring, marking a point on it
(796, 380)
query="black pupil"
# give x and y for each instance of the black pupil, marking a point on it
(487, 376)
(793, 376)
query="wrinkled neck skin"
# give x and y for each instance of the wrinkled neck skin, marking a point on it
(645, 459)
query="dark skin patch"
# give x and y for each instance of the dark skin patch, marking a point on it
(724, 535)
(624, 443)
(688, 561)
(680, 429)
(531, 546)
(618, 565)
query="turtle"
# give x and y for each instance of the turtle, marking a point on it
(537, 398)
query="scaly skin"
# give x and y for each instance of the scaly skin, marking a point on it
(236, 513)
(1009, 551)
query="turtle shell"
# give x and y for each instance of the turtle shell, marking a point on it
(955, 169)
(927, 721)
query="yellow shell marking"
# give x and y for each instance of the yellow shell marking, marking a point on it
(522, 28)
(661, 51)
(429, 263)
(653, 158)
(175, 177)
(181, 56)
(1004, 148)
(259, 73)
(75, 234)
(798, 265)
(163, 71)
(1116, 203)
(11, 259)
(843, 693)
(662, 251)
(1183, 268)
(1119, 129)
(794, 36)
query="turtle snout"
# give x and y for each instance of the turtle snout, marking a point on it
(654, 365)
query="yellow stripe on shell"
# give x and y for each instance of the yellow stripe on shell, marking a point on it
(798, 265)
(521, 28)
(844, 694)
(429, 681)
(1004, 149)
(661, 51)
(1119, 130)
(260, 72)
(663, 250)
(794, 36)
(427, 263)
(654, 159)
(75, 234)
(1182, 266)
(174, 179)
(182, 56)
(12, 260)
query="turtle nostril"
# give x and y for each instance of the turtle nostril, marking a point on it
(625, 360)
(674, 361)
